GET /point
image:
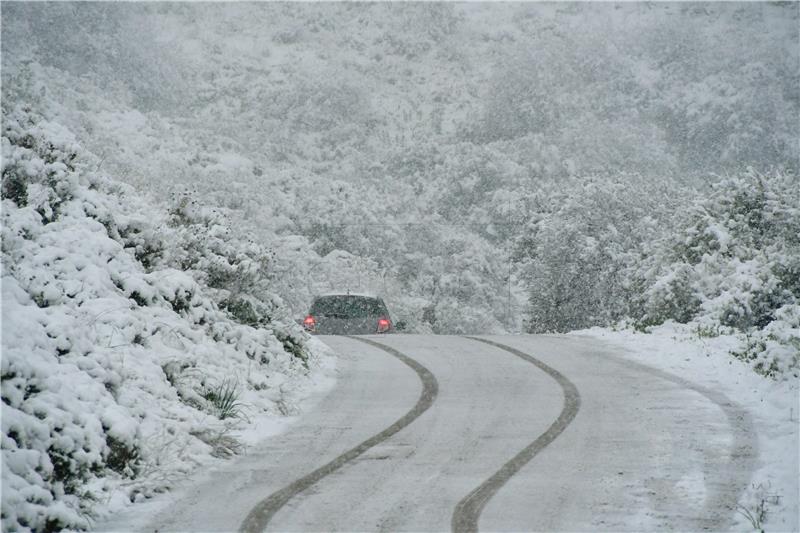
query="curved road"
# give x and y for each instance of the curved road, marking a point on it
(497, 434)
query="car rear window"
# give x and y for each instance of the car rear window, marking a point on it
(346, 306)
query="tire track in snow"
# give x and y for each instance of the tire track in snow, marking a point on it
(261, 514)
(468, 511)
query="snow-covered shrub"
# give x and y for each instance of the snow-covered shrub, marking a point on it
(109, 351)
(671, 297)
(237, 272)
(775, 350)
(581, 253)
(207, 246)
(734, 263)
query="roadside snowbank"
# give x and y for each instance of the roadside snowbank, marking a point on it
(773, 497)
(135, 344)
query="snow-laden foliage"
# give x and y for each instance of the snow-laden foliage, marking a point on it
(579, 248)
(400, 133)
(129, 346)
(726, 260)
(732, 263)
(484, 167)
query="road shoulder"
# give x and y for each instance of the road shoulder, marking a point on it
(773, 406)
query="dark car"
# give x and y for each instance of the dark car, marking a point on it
(348, 314)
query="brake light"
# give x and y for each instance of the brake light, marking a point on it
(309, 323)
(383, 325)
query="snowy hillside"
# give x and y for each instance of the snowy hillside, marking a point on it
(135, 343)
(432, 142)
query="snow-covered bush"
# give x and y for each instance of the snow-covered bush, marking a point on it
(733, 264)
(728, 262)
(775, 350)
(580, 253)
(670, 297)
(237, 273)
(110, 343)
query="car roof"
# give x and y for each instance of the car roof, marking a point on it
(361, 294)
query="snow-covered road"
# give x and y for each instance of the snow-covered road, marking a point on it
(637, 448)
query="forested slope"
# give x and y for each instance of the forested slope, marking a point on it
(487, 167)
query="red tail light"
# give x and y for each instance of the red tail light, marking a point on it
(383, 325)
(309, 323)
